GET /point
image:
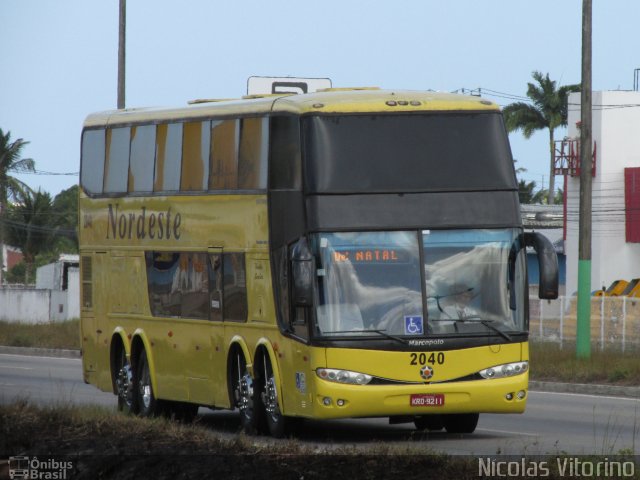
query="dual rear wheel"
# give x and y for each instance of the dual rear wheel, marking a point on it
(256, 397)
(135, 392)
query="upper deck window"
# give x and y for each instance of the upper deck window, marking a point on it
(202, 156)
(143, 150)
(168, 157)
(117, 160)
(224, 155)
(195, 156)
(93, 143)
(252, 157)
(407, 153)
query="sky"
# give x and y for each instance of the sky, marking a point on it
(59, 57)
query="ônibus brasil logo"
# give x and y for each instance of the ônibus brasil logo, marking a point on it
(22, 467)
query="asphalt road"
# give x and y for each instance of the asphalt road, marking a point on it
(553, 423)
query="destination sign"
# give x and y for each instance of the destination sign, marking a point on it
(370, 255)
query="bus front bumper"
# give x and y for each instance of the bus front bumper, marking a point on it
(504, 395)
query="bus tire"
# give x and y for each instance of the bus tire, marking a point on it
(278, 424)
(146, 403)
(246, 398)
(433, 423)
(124, 383)
(461, 422)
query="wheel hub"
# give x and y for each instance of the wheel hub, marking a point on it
(245, 393)
(124, 384)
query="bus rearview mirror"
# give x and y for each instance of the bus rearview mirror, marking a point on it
(547, 262)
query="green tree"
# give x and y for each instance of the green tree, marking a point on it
(28, 227)
(10, 187)
(65, 204)
(547, 110)
(526, 191)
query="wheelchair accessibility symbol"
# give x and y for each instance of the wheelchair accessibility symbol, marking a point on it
(413, 325)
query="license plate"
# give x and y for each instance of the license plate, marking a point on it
(427, 400)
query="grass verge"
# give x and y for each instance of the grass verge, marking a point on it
(103, 444)
(65, 335)
(98, 443)
(551, 363)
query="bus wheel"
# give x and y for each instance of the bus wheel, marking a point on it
(244, 395)
(124, 383)
(146, 402)
(277, 423)
(461, 422)
(433, 423)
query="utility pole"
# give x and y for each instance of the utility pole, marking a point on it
(583, 334)
(121, 52)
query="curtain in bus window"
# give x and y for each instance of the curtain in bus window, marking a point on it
(178, 284)
(162, 267)
(235, 287)
(195, 156)
(93, 145)
(143, 148)
(194, 285)
(168, 157)
(252, 159)
(224, 155)
(117, 160)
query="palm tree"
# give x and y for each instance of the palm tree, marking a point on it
(10, 187)
(526, 191)
(29, 226)
(547, 110)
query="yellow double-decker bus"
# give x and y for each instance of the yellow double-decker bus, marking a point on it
(339, 253)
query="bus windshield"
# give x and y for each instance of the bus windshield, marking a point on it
(372, 281)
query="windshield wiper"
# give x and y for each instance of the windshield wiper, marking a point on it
(486, 323)
(379, 332)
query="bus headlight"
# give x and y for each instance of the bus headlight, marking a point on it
(506, 370)
(343, 376)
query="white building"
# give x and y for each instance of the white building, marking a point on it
(56, 296)
(616, 227)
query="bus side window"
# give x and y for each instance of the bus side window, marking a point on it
(195, 156)
(161, 271)
(252, 157)
(93, 149)
(168, 157)
(143, 147)
(235, 287)
(223, 171)
(116, 168)
(195, 287)
(299, 315)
